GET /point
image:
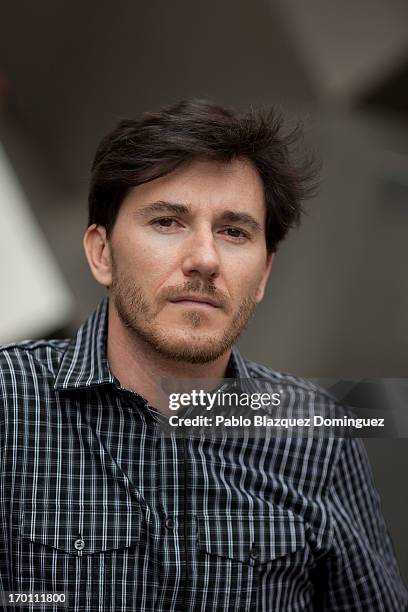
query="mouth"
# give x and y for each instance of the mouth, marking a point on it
(194, 301)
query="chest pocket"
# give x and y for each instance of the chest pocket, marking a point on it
(76, 549)
(250, 556)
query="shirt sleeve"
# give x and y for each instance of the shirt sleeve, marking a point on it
(361, 572)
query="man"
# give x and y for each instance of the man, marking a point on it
(98, 503)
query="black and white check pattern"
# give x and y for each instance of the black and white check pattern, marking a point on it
(97, 502)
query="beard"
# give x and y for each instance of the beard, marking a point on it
(189, 344)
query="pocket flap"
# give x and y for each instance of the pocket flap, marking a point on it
(251, 538)
(82, 530)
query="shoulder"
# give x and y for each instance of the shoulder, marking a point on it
(297, 421)
(27, 375)
(288, 382)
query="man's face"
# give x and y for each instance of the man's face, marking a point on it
(189, 259)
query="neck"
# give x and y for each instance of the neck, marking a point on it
(139, 368)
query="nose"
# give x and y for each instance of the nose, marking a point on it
(201, 256)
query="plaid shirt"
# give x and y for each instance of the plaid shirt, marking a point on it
(95, 501)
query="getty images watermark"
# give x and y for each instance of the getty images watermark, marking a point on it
(207, 401)
(262, 407)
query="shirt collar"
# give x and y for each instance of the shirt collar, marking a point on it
(85, 364)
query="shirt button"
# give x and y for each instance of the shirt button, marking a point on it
(79, 544)
(169, 523)
(254, 553)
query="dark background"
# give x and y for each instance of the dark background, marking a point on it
(338, 295)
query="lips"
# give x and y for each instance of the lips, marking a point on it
(205, 301)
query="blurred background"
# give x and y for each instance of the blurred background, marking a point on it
(338, 295)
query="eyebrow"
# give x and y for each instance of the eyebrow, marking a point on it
(231, 216)
(161, 206)
(242, 218)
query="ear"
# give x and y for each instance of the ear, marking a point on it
(97, 251)
(262, 284)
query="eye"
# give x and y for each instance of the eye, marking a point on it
(164, 223)
(236, 234)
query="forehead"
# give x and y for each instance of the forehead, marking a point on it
(206, 185)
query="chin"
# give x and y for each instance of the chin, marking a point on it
(195, 347)
(193, 341)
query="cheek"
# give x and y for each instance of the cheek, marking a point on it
(244, 275)
(149, 264)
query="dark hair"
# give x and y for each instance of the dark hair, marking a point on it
(138, 151)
